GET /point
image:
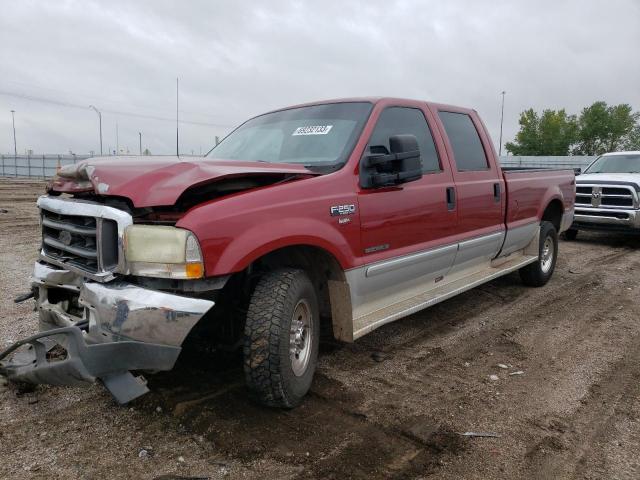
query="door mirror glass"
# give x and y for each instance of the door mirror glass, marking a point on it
(384, 168)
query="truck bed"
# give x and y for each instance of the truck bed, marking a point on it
(529, 189)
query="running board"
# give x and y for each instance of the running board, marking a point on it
(370, 322)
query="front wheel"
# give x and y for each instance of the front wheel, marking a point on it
(281, 339)
(538, 273)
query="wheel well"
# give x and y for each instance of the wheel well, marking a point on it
(553, 213)
(320, 265)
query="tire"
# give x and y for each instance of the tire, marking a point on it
(538, 273)
(571, 234)
(275, 375)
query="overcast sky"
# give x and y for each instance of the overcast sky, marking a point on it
(236, 59)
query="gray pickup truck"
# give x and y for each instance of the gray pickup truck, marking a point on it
(608, 195)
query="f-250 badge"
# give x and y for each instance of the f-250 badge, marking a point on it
(336, 210)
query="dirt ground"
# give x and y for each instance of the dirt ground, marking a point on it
(391, 405)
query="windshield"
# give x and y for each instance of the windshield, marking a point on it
(615, 164)
(315, 136)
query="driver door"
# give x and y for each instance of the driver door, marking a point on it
(407, 230)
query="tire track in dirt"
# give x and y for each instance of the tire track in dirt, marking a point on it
(571, 443)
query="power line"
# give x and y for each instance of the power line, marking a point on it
(62, 103)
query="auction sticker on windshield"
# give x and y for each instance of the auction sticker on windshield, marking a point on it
(313, 130)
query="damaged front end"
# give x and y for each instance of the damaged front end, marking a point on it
(95, 322)
(122, 328)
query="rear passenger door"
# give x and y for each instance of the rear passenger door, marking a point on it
(479, 188)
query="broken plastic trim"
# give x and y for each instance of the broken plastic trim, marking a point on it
(110, 362)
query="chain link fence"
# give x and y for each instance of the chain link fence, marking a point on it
(45, 166)
(38, 166)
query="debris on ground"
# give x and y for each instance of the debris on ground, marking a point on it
(519, 372)
(378, 356)
(494, 378)
(144, 453)
(481, 434)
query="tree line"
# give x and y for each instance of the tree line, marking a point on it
(598, 129)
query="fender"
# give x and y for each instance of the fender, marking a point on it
(268, 236)
(552, 193)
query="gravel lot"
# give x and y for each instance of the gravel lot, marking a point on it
(391, 405)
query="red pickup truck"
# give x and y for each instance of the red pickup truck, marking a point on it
(349, 213)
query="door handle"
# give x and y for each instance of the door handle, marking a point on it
(496, 192)
(451, 198)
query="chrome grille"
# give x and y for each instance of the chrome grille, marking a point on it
(85, 242)
(83, 236)
(603, 196)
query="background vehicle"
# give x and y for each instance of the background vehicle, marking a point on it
(351, 212)
(608, 195)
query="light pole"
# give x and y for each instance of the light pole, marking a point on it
(140, 139)
(100, 123)
(501, 121)
(15, 147)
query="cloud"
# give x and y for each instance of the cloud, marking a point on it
(237, 59)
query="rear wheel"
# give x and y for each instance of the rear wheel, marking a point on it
(282, 333)
(570, 234)
(538, 273)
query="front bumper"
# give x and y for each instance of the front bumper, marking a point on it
(123, 327)
(606, 219)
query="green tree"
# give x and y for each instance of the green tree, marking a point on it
(603, 128)
(632, 141)
(551, 133)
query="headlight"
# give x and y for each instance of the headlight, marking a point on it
(164, 252)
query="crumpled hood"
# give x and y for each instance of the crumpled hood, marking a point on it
(157, 181)
(608, 177)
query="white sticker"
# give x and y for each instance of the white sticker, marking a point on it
(313, 130)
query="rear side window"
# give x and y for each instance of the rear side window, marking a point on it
(403, 120)
(465, 141)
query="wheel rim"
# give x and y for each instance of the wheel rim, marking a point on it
(300, 337)
(547, 255)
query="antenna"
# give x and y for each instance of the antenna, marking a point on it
(177, 124)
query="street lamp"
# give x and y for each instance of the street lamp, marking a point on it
(13, 121)
(501, 120)
(140, 138)
(100, 123)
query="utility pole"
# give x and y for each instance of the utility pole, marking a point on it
(177, 125)
(117, 141)
(100, 124)
(15, 147)
(140, 139)
(501, 121)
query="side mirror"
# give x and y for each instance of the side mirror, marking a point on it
(577, 171)
(403, 164)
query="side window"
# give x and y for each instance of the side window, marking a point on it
(404, 120)
(465, 141)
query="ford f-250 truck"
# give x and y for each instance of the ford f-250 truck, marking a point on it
(608, 195)
(352, 212)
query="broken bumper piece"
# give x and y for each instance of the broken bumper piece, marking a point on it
(84, 362)
(124, 328)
